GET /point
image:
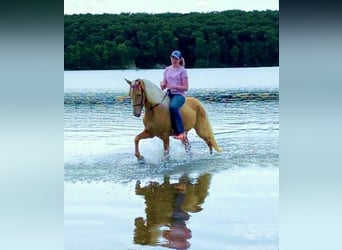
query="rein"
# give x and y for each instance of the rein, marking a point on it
(155, 105)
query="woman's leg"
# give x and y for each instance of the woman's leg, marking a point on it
(176, 103)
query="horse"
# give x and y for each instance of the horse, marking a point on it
(146, 95)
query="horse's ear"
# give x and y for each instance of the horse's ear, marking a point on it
(128, 81)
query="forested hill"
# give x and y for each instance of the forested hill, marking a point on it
(231, 38)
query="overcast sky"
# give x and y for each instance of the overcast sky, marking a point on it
(161, 6)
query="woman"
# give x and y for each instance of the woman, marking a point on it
(175, 79)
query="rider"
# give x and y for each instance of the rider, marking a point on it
(175, 79)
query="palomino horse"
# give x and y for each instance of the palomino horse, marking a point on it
(157, 120)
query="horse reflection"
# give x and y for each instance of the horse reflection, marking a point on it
(167, 209)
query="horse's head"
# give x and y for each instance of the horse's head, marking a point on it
(136, 92)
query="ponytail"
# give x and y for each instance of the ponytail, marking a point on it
(182, 62)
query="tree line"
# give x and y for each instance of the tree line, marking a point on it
(232, 38)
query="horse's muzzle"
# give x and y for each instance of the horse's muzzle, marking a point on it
(137, 114)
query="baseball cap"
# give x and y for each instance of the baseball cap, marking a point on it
(177, 54)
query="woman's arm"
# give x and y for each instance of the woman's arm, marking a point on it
(163, 84)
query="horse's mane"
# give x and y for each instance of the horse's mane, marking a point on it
(153, 93)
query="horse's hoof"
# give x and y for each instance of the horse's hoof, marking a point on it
(141, 160)
(166, 157)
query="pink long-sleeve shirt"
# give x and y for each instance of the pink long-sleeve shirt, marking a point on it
(174, 76)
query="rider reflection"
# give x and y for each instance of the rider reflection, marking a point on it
(178, 233)
(167, 211)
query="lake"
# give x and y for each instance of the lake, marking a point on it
(225, 200)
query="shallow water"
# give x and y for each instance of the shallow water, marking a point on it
(191, 201)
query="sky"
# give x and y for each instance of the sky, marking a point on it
(162, 6)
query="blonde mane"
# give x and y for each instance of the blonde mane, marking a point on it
(154, 94)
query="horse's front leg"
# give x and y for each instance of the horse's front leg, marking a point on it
(166, 143)
(143, 135)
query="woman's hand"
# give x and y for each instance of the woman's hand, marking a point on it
(162, 85)
(177, 87)
(170, 86)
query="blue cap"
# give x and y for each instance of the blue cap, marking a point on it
(177, 54)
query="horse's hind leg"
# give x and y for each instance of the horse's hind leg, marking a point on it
(186, 143)
(203, 133)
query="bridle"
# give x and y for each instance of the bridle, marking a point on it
(138, 86)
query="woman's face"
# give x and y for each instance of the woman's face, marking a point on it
(174, 60)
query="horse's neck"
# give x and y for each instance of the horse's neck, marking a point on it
(154, 94)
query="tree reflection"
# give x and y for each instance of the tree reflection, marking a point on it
(168, 207)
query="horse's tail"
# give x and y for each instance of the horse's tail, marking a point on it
(204, 130)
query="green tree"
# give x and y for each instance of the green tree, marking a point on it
(231, 38)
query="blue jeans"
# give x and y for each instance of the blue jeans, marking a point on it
(176, 103)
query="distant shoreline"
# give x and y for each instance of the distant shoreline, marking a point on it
(165, 66)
